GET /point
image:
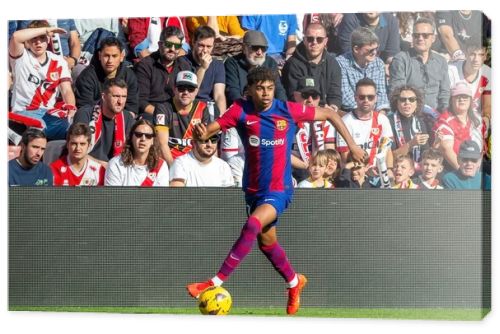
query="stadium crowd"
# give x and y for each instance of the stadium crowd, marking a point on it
(114, 102)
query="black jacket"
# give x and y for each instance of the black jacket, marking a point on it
(236, 77)
(156, 85)
(327, 74)
(90, 84)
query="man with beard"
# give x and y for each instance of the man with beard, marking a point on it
(109, 121)
(27, 169)
(312, 60)
(254, 54)
(200, 168)
(174, 121)
(156, 73)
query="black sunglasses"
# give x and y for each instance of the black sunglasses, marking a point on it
(364, 97)
(169, 44)
(212, 140)
(182, 89)
(306, 95)
(425, 35)
(407, 99)
(256, 48)
(142, 134)
(311, 39)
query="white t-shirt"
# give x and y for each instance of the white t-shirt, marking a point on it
(360, 131)
(216, 173)
(117, 174)
(37, 85)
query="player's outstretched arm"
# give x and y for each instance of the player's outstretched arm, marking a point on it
(203, 132)
(330, 114)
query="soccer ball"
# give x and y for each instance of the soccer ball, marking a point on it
(215, 300)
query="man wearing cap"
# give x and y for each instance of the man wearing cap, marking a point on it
(254, 54)
(200, 167)
(156, 73)
(457, 124)
(311, 59)
(362, 62)
(174, 121)
(310, 136)
(468, 175)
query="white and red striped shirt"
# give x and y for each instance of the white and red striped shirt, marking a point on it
(92, 174)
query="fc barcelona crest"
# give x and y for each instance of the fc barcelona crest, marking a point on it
(281, 124)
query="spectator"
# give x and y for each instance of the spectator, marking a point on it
(404, 168)
(367, 126)
(139, 164)
(38, 77)
(311, 59)
(310, 136)
(432, 166)
(468, 175)
(362, 62)
(317, 170)
(280, 32)
(476, 74)
(411, 136)
(86, 27)
(74, 168)
(106, 65)
(421, 68)
(143, 33)
(224, 26)
(157, 72)
(457, 124)
(201, 168)
(406, 21)
(354, 176)
(174, 121)
(109, 121)
(28, 169)
(64, 44)
(330, 21)
(333, 168)
(458, 27)
(254, 54)
(385, 25)
(209, 71)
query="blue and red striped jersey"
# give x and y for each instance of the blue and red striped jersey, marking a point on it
(267, 137)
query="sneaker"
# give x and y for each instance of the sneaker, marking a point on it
(294, 295)
(195, 289)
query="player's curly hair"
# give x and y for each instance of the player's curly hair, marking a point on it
(260, 74)
(154, 151)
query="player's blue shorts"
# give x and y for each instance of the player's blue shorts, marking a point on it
(279, 201)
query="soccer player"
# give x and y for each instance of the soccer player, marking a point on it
(267, 127)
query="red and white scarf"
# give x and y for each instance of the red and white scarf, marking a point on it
(119, 136)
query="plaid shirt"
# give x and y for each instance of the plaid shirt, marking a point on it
(352, 73)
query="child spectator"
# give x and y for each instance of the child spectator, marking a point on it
(354, 176)
(317, 169)
(404, 168)
(333, 166)
(432, 165)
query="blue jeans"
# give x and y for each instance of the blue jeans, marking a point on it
(54, 127)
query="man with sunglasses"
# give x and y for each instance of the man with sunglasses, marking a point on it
(311, 59)
(362, 62)
(422, 68)
(175, 120)
(156, 73)
(201, 168)
(368, 127)
(469, 174)
(266, 126)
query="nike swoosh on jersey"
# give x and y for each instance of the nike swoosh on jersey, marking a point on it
(251, 122)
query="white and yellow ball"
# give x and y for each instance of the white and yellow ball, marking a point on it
(215, 301)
